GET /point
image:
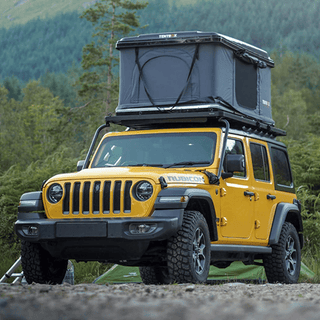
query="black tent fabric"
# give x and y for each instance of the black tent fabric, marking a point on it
(162, 71)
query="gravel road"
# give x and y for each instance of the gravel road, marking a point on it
(170, 302)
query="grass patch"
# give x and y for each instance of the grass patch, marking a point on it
(312, 261)
(87, 272)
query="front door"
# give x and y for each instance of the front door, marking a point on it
(237, 198)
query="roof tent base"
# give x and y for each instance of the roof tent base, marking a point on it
(202, 117)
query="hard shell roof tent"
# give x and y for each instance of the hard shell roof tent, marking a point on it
(194, 71)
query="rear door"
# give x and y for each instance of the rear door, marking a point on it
(263, 187)
(283, 182)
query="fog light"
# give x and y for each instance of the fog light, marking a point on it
(30, 230)
(142, 228)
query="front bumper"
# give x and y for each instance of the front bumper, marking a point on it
(41, 230)
(99, 239)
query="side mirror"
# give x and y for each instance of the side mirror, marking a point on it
(80, 165)
(233, 163)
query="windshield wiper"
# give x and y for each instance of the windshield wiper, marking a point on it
(186, 163)
(145, 165)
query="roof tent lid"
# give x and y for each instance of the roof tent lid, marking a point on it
(192, 37)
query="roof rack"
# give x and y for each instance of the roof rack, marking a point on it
(209, 118)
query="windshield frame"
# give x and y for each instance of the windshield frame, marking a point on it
(182, 134)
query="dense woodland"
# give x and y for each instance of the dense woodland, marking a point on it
(52, 45)
(46, 126)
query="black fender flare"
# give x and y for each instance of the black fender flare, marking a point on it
(189, 195)
(285, 212)
(31, 201)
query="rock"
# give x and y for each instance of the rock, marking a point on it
(190, 288)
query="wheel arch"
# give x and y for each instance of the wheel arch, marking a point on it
(286, 212)
(206, 207)
(197, 200)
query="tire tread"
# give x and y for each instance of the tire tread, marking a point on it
(180, 246)
(273, 263)
(36, 265)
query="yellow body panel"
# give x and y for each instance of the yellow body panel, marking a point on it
(243, 219)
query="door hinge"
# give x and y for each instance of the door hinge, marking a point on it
(224, 221)
(223, 192)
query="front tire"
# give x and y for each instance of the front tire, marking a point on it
(154, 275)
(284, 264)
(188, 252)
(39, 266)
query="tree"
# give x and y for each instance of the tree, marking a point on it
(16, 181)
(31, 129)
(60, 84)
(298, 72)
(289, 112)
(113, 19)
(12, 84)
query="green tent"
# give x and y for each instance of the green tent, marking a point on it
(237, 271)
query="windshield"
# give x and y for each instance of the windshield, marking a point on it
(159, 150)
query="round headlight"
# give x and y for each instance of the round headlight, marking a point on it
(54, 193)
(143, 190)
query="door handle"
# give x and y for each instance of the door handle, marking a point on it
(271, 197)
(249, 194)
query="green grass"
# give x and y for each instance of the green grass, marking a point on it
(87, 272)
(312, 261)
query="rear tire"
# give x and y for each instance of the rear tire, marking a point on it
(154, 275)
(188, 252)
(284, 264)
(39, 266)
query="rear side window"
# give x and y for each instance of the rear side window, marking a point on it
(281, 169)
(260, 162)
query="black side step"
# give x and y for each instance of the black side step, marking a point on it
(240, 248)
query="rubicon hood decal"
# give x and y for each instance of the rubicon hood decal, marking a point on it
(184, 178)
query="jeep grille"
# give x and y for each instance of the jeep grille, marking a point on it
(97, 197)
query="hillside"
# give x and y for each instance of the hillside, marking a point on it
(52, 44)
(17, 12)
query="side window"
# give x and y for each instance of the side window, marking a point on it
(260, 162)
(236, 147)
(281, 168)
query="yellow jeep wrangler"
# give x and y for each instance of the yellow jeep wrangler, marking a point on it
(196, 180)
(172, 201)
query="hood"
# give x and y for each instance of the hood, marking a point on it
(172, 175)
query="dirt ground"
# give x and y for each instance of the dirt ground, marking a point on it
(170, 302)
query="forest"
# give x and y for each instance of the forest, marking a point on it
(46, 124)
(30, 50)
